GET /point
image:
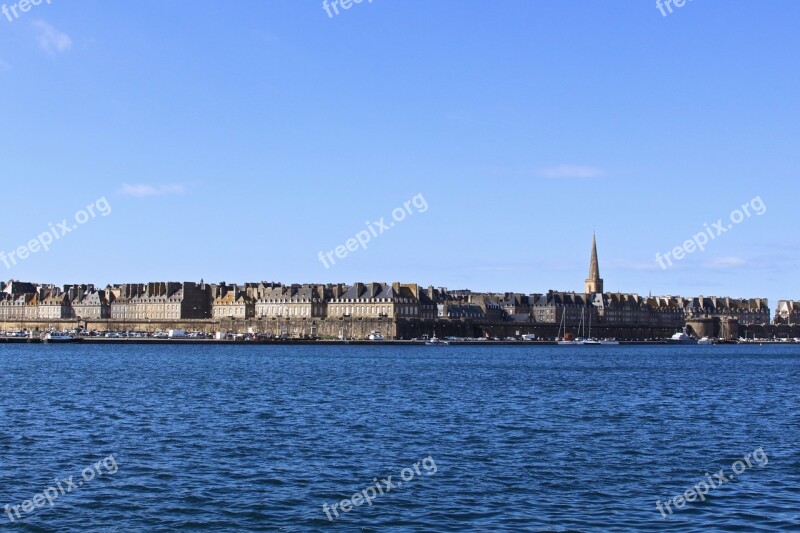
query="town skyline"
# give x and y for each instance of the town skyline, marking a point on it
(250, 300)
(593, 265)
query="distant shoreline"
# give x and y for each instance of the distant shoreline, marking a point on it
(289, 342)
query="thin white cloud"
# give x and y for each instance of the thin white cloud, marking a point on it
(725, 262)
(50, 39)
(143, 190)
(571, 171)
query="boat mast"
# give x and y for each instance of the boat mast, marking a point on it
(590, 324)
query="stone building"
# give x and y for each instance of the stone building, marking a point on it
(376, 300)
(516, 304)
(122, 295)
(229, 301)
(21, 307)
(665, 311)
(745, 311)
(620, 309)
(54, 304)
(158, 301)
(18, 288)
(304, 301)
(427, 304)
(161, 301)
(457, 304)
(453, 310)
(19, 300)
(491, 308)
(91, 304)
(787, 312)
(555, 306)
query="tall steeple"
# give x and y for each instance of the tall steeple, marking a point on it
(594, 283)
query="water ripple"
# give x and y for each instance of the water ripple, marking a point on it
(524, 438)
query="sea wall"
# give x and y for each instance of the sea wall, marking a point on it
(404, 328)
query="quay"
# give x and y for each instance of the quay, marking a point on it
(329, 342)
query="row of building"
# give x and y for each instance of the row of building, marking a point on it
(172, 301)
(787, 312)
(180, 301)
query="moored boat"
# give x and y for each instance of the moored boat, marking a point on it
(563, 338)
(682, 338)
(55, 336)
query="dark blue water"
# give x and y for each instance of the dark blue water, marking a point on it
(226, 438)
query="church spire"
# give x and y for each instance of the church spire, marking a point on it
(594, 268)
(594, 283)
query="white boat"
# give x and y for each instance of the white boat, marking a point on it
(682, 338)
(375, 336)
(435, 341)
(588, 342)
(609, 341)
(705, 340)
(55, 336)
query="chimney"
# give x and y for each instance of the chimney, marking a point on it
(415, 289)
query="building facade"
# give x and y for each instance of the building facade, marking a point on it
(787, 312)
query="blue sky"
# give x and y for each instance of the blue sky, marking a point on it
(235, 141)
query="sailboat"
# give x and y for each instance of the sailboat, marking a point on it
(591, 341)
(587, 340)
(562, 330)
(436, 341)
